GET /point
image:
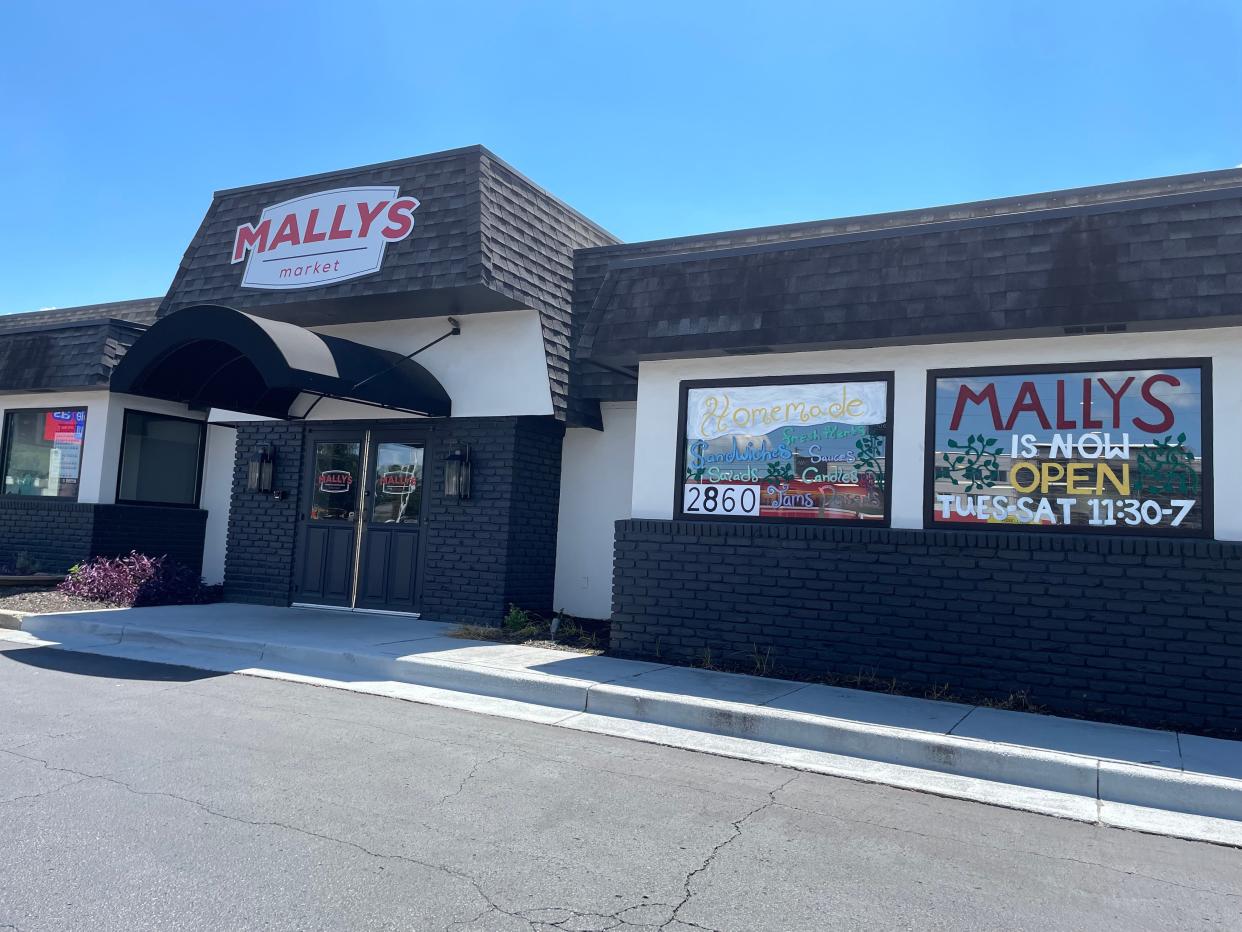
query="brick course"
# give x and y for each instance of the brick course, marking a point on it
(56, 533)
(1141, 630)
(260, 548)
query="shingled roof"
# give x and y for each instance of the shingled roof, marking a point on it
(1140, 255)
(486, 238)
(69, 348)
(139, 311)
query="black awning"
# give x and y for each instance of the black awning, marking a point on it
(212, 356)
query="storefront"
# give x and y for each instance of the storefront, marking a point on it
(985, 445)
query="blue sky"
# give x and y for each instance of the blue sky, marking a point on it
(653, 118)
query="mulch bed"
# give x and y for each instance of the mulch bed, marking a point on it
(45, 600)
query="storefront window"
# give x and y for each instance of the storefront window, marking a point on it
(786, 448)
(161, 459)
(43, 452)
(1113, 448)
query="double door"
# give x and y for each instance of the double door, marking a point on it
(363, 514)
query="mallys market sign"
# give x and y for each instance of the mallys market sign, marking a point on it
(323, 238)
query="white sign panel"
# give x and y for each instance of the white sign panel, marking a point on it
(324, 238)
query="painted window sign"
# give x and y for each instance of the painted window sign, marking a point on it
(1109, 447)
(335, 481)
(792, 448)
(397, 481)
(322, 238)
(335, 494)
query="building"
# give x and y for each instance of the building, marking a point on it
(971, 445)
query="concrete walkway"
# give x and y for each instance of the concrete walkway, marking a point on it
(1155, 781)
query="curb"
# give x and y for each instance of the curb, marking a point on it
(966, 757)
(1138, 796)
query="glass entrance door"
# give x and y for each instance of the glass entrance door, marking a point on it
(325, 572)
(362, 520)
(393, 525)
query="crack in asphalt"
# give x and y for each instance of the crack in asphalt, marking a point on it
(584, 921)
(468, 777)
(688, 883)
(581, 920)
(55, 789)
(439, 868)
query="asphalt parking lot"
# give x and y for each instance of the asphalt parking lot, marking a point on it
(137, 796)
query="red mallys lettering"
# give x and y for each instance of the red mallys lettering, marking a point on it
(286, 233)
(311, 235)
(1168, 418)
(259, 237)
(400, 221)
(337, 232)
(367, 214)
(1028, 401)
(249, 236)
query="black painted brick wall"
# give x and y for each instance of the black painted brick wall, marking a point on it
(259, 555)
(531, 568)
(1141, 630)
(151, 529)
(53, 533)
(57, 534)
(496, 548)
(499, 547)
(466, 542)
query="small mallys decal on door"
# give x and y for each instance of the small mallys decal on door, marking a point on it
(333, 481)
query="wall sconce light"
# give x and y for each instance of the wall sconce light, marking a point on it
(457, 473)
(259, 473)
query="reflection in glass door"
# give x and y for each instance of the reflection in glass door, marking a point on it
(388, 569)
(335, 493)
(330, 523)
(398, 483)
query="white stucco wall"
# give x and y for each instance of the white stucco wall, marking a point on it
(216, 497)
(658, 399)
(596, 480)
(496, 366)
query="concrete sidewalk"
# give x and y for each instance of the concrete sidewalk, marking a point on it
(1155, 781)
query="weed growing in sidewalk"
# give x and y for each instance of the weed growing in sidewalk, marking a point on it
(562, 631)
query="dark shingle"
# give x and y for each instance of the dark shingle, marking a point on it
(140, 311)
(1087, 258)
(64, 355)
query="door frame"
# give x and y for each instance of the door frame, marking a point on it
(369, 434)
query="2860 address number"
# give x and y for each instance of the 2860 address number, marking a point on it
(720, 498)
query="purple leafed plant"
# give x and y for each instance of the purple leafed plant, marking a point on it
(138, 579)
